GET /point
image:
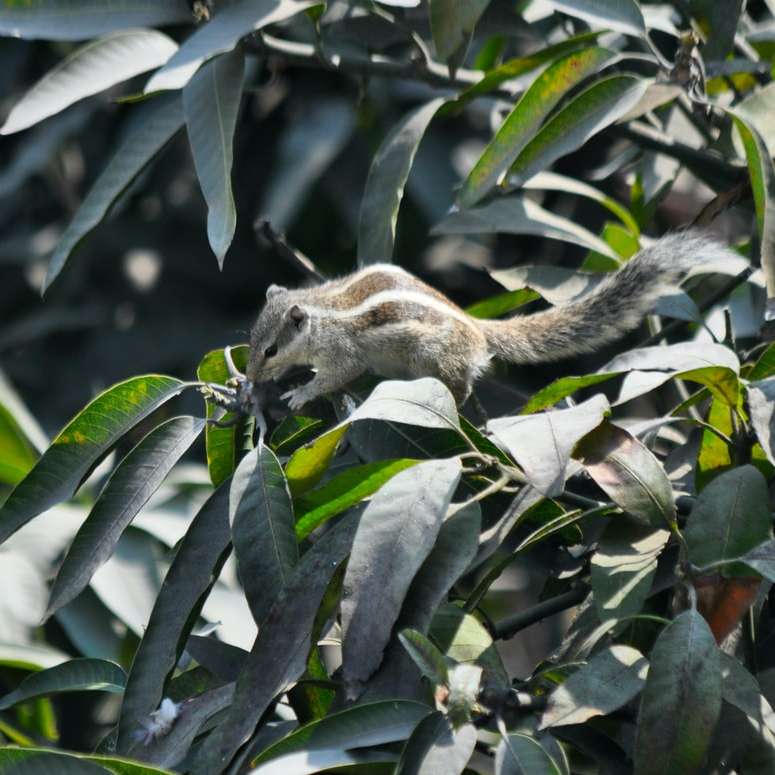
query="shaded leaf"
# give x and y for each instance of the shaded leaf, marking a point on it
(153, 126)
(385, 184)
(621, 15)
(81, 444)
(519, 754)
(44, 761)
(191, 574)
(730, 517)
(523, 122)
(591, 111)
(452, 24)
(681, 700)
(739, 688)
(437, 748)
(612, 678)
(762, 559)
(132, 483)
(211, 102)
(629, 474)
(261, 516)
(542, 443)
(395, 535)
(89, 70)
(429, 660)
(291, 432)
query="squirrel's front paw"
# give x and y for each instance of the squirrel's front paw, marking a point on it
(298, 397)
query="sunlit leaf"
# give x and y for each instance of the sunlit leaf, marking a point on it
(425, 655)
(436, 746)
(621, 15)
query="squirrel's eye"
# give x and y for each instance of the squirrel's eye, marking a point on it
(270, 351)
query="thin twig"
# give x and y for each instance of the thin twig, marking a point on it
(294, 257)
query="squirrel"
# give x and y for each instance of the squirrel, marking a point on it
(385, 320)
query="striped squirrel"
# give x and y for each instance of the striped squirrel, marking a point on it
(385, 320)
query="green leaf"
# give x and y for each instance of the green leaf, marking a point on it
(82, 19)
(435, 747)
(224, 446)
(17, 455)
(45, 761)
(385, 184)
(130, 486)
(425, 655)
(719, 23)
(261, 516)
(584, 116)
(518, 215)
(523, 122)
(364, 725)
(542, 444)
(729, 517)
(452, 24)
(211, 102)
(519, 754)
(715, 455)
(396, 533)
(228, 26)
(81, 444)
(279, 655)
(764, 366)
(152, 127)
(681, 701)
(739, 688)
(562, 388)
(30, 656)
(291, 432)
(623, 568)
(309, 463)
(76, 675)
(762, 559)
(193, 570)
(89, 70)
(629, 474)
(761, 402)
(612, 678)
(621, 15)
(343, 491)
(501, 304)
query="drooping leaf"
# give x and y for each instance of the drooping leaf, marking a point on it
(395, 535)
(542, 443)
(452, 24)
(429, 660)
(621, 15)
(612, 678)
(729, 518)
(681, 700)
(436, 746)
(740, 688)
(89, 70)
(211, 102)
(623, 568)
(229, 24)
(386, 181)
(81, 444)
(584, 116)
(191, 574)
(360, 726)
(720, 21)
(279, 655)
(261, 516)
(153, 126)
(82, 19)
(130, 486)
(627, 471)
(343, 491)
(520, 754)
(527, 116)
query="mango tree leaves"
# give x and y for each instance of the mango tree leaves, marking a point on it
(76, 675)
(396, 533)
(90, 70)
(519, 754)
(385, 184)
(681, 701)
(229, 24)
(17, 455)
(562, 388)
(191, 574)
(436, 747)
(612, 678)
(130, 486)
(429, 660)
(527, 116)
(211, 102)
(152, 127)
(629, 474)
(261, 516)
(623, 568)
(621, 15)
(42, 761)
(542, 443)
(761, 402)
(360, 726)
(730, 517)
(595, 108)
(452, 24)
(81, 444)
(69, 20)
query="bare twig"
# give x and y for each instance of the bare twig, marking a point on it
(295, 258)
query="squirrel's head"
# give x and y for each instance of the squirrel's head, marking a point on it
(279, 339)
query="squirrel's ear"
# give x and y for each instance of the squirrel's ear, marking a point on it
(273, 290)
(297, 315)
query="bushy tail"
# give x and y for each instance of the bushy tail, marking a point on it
(616, 306)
